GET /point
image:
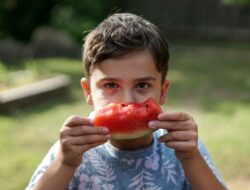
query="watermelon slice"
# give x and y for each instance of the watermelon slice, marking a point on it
(127, 121)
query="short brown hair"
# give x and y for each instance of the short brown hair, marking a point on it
(121, 34)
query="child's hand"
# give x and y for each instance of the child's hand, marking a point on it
(182, 133)
(76, 137)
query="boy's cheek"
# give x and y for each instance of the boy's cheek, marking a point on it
(101, 100)
(103, 97)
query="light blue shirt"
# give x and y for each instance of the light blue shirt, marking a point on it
(108, 168)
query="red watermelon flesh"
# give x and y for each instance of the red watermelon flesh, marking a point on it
(127, 121)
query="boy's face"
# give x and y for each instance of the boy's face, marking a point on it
(132, 78)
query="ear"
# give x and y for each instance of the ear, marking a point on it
(164, 90)
(87, 91)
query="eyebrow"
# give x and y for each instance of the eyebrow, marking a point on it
(146, 79)
(137, 79)
(108, 79)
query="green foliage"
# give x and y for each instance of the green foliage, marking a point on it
(19, 18)
(28, 72)
(3, 69)
(236, 2)
(79, 16)
(3, 76)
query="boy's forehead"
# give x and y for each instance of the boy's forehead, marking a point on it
(140, 65)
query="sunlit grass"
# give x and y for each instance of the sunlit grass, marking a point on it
(212, 83)
(27, 136)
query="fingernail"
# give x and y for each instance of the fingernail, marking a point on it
(105, 130)
(160, 116)
(152, 124)
(107, 136)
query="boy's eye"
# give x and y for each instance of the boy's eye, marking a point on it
(143, 85)
(111, 85)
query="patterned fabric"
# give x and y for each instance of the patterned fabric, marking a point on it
(108, 168)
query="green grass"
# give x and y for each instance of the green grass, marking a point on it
(210, 81)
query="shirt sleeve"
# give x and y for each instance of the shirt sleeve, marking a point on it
(206, 156)
(43, 166)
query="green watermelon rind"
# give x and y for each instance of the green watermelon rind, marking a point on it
(131, 136)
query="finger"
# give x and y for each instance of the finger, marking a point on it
(179, 136)
(174, 116)
(182, 145)
(172, 125)
(86, 147)
(83, 130)
(77, 120)
(86, 139)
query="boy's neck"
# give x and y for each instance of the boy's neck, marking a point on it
(133, 144)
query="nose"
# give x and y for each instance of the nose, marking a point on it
(128, 96)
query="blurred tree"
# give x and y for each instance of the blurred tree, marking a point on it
(237, 2)
(79, 16)
(19, 18)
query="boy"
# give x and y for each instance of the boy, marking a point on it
(126, 60)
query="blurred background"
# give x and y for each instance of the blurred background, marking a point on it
(41, 68)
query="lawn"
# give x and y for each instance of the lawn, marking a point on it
(210, 81)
